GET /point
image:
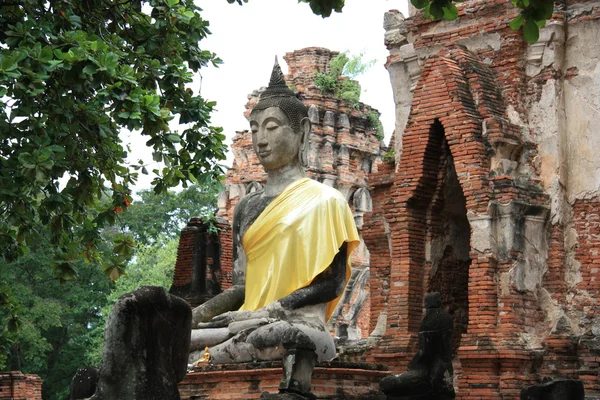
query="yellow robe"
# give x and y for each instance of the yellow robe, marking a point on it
(294, 239)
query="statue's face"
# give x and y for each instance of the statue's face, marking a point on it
(273, 139)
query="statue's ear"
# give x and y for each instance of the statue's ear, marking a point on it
(305, 126)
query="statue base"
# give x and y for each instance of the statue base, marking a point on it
(330, 380)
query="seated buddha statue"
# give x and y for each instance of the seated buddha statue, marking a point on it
(291, 247)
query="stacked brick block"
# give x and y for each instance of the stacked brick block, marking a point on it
(198, 274)
(243, 381)
(15, 385)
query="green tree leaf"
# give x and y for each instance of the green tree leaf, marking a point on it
(531, 31)
(420, 4)
(516, 23)
(173, 138)
(450, 12)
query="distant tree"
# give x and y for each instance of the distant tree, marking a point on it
(46, 327)
(73, 74)
(162, 216)
(152, 265)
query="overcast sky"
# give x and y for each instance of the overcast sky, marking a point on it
(248, 37)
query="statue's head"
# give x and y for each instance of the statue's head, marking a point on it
(280, 125)
(433, 300)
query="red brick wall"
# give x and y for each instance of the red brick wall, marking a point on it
(377, 241)
(586, 221)
(226, 239)
(15, 385)
(332, 382)
(203, 265)
(510, 340)
(455, 96)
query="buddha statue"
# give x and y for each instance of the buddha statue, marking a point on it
(291, 246)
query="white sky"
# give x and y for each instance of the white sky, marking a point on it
(248, 37)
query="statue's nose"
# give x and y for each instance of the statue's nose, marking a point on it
(262, 139)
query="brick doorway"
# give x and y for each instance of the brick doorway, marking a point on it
(447, 232)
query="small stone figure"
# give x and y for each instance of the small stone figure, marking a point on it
(567, 389)
(429, 375)
(146, 345)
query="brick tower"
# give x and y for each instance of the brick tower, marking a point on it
(494, 196)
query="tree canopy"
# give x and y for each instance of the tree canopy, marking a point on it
(73, 74)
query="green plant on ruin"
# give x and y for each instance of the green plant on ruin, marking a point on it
(375, 123)
(389, 156)
(339, 81)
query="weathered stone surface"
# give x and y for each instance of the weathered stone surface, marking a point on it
(568, 389)
(84, 383)
(146, 344)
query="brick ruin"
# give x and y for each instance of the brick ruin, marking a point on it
(15, 385)
(492, 199)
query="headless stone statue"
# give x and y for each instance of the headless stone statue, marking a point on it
(429, 374)
(146, 343)
(291, 246)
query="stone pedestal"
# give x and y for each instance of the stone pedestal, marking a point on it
(331, 380)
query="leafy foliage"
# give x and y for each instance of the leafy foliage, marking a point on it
(389, 156)
(73, 74)
(319, 7)
(54, 321)
(375, 123)
(324, 7)
(153, 265)
(339, 80)
(162, 216)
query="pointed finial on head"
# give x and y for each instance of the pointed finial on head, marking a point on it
(278, 94)
(277, 78)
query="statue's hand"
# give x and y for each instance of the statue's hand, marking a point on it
(223, 320)
(273, 310)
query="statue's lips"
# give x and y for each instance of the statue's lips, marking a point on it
(263, 154)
